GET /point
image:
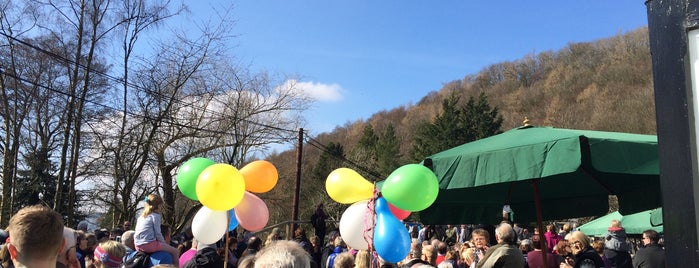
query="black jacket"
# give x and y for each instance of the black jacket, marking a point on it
(206, 258)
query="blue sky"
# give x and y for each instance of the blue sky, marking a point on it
(358, 57)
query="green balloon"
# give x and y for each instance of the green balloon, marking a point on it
(188, 173)
(412, 187)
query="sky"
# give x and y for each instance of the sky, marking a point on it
(359, 57)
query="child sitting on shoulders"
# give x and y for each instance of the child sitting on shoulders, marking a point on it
(148, 236)
(616, 238)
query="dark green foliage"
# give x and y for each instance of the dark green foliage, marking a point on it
(456, 125)
(388, 151)
(329, 160)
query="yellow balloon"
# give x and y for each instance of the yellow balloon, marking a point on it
(220, 187)
(260, 176)
(346, 186)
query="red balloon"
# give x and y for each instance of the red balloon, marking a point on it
(399, 213)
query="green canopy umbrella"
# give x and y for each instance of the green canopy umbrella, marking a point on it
(547, 172)
(599, 226)
(633, 224)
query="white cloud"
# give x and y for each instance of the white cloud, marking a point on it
(318, 91)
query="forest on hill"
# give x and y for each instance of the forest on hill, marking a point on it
(601, 85)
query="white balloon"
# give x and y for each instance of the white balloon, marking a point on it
(354, 222)
(208, 226)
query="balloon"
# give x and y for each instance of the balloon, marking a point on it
(412, 187)
(354, 221)
(188, 173)
(252, 213)
(391, 239)
(398, 213)
(220, 187)
(260, 176)
(232, 221)
(346, 186)
(208, 226)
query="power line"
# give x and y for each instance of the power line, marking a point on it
(60, 58)
(119, 80)
(317, 144)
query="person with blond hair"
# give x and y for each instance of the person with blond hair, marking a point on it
(344, 260)
(584, 255)
(108, 254)
(36, 237)
(148, 236)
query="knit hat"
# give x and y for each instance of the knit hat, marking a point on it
(106, 259)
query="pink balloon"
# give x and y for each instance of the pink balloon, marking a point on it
(252, 213)
(399, 213)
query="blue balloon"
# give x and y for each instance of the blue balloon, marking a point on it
(232, 221)
(391, 238)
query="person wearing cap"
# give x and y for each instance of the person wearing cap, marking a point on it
(109, 254)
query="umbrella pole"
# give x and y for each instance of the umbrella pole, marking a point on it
(540, 226)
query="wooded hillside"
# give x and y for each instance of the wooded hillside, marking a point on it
(599, 85)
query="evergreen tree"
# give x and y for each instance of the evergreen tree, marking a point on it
(329, 160)
(456, 125)
(388, 151)
(365, 151)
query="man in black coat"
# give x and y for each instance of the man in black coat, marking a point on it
(652, 254)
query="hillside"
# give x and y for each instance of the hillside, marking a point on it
(600, 85)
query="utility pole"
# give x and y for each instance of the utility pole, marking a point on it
(673, 28)
(297, 190)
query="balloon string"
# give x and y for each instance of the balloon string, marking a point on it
(370, 221)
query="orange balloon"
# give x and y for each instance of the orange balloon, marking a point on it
(260, 176)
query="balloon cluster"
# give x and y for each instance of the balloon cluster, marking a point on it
(408, 189)
(227, 196)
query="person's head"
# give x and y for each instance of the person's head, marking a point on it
(255, 243)
(101, 235)
(36, 236)
(126, 225)
(363, 259)
(468, 256)
(598, 246)
(415, 250)
(128, 240)
(91, 242)
(247, 261)
(429, 254)
(68, 255)
(82, 226)
(480, 238)
(80, 240)
(299, 232)
(578, 242)
(344, 260)
(505, 234)
(562, 247)
(445, 264)
(283, 254)
(442, 248)
(526, 245)
(615, 224)
(339, 242)
(650, 237)
(566, 228)
(109, 254)
(153, 204)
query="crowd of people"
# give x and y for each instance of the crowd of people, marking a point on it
(36, 237)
